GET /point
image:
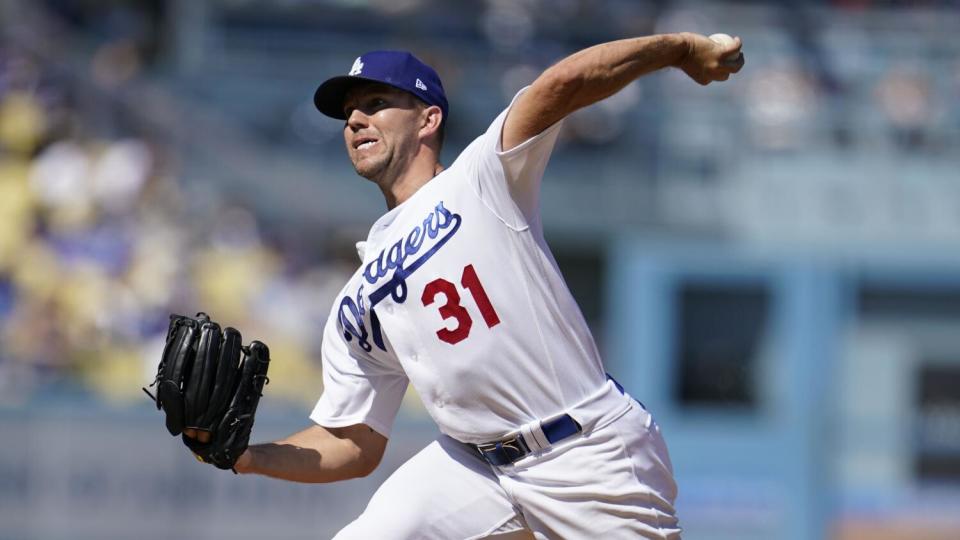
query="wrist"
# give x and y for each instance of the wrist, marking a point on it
(244, 464)
(684, 45)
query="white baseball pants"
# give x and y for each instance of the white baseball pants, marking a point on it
(614, 481)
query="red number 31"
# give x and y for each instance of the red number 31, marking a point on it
(453, 310)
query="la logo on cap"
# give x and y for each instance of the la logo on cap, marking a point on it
(357, 67)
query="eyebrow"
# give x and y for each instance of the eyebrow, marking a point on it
(393, 96)
(351, 101)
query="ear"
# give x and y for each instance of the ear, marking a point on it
(430, 119)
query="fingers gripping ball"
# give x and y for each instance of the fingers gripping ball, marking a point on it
(727, 41)
(722, 39)
(209, 385)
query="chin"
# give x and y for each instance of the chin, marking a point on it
(369, 168)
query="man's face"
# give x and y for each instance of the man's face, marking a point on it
(381, 129)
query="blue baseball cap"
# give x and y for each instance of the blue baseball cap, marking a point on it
(398, 69)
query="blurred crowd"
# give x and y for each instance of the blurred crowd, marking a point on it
(97, 248)
(843, 74)
(103, 233)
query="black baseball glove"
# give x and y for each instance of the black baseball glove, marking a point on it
(209, 384)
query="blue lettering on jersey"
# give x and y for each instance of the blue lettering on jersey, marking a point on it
(354, 309)
(439, 220)
(351, 312)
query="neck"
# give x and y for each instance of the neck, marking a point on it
(407, 183)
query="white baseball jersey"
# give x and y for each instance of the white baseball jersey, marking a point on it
(459, 295)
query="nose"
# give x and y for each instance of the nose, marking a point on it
(357, 120)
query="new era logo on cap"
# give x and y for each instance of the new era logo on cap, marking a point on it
(398, 69)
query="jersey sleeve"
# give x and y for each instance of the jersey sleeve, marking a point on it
(509, 182)
(356, 388)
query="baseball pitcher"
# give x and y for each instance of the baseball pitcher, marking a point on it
(458, 294)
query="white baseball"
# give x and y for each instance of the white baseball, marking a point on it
(722, 39)
(725, 40)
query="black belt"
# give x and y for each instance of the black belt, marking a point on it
(507, 451)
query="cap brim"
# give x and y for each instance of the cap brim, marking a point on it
(329, 96)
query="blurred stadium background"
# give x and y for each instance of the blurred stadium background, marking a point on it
(771, 264)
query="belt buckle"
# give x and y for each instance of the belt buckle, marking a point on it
(487, 447)
(504, 452)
